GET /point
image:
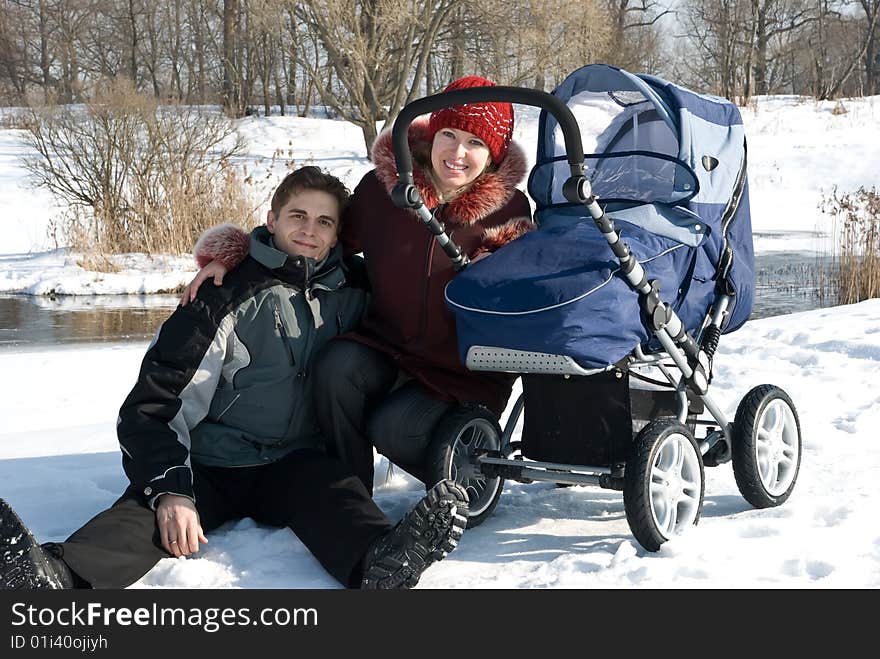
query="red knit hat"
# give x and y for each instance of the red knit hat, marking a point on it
(491, 122)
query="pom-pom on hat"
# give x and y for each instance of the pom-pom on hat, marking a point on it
(491, 122)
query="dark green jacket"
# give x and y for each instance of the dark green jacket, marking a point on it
(225, 381)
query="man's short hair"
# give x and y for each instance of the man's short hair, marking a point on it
(309, 178)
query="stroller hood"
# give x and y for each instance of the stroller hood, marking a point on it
(649, 141)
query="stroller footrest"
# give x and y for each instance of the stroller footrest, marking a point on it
(487, 358)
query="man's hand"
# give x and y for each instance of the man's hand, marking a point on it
(179, 526)
(213, 269)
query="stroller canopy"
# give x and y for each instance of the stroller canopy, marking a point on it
(649, 141)
(669, 166)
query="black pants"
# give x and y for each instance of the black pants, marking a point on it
(314, 495)
(360, 404)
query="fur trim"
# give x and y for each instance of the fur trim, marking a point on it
(487, 194)
(225, 243)
(495, 237)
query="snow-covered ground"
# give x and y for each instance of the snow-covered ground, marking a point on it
(59, 465)
(59, 461)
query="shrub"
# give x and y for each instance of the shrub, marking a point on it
(136, 176)
(857, 252)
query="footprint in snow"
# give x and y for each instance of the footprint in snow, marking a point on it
(756, 531)
(831, 516)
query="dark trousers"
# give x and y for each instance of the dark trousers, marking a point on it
(361, 403)
(314, 495)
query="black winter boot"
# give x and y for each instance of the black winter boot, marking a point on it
(24, 564)
(426, 534)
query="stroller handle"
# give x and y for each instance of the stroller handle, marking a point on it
(560, 111)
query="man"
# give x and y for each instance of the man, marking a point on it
(220, 425)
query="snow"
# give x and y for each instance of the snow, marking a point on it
(60, 463)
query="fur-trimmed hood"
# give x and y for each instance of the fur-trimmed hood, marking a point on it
(487, 194)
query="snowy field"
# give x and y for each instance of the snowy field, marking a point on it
(59, 465)
(59, 461)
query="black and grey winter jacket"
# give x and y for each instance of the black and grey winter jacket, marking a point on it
(224, 382)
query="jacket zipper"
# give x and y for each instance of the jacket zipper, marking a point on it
(429, 262)
(279, 324)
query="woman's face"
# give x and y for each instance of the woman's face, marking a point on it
(458, 158)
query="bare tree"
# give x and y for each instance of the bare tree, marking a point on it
(231, 96)
(376, 50)
(718, 31)
(872, 47)
(634, 38)
(833, 66)
(769, 20)
(527, 42)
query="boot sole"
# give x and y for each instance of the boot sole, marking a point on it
(23, 565)
(436, 525)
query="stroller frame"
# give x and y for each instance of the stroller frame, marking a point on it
(691, 358)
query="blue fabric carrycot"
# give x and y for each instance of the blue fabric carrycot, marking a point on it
(669, 166)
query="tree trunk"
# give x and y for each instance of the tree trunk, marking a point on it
(153, 59)
(199, 41)
(230, 77)
(761, 39)
(245, 63)
(368, 128)
(459, 47)
(267, 66)
(176, 54)
(133, 43)
(276, 76)
(872, 52)
(45, 64)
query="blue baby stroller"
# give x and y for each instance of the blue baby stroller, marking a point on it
(612, 309)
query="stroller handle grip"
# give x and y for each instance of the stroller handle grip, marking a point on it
(560, 111)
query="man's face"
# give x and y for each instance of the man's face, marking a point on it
(306, 225)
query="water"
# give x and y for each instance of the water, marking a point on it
(786, 283)
(28, 320)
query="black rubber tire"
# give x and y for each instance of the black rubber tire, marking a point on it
(745, 431)
(637, 480)
(458, 425)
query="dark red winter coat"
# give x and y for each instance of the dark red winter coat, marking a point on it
(407, 317)
(408, 271)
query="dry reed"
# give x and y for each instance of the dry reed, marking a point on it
(857, 248)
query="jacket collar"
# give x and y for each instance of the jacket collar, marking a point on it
(489, 193)
(330, 276)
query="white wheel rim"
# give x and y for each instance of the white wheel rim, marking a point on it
(776, 447)
(477, 434)
(676, 484)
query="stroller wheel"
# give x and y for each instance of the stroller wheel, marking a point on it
(663, 483)
(766, 446)
(457, 440)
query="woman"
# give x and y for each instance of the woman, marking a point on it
(389, 382)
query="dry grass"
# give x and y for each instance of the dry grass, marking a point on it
(138, 177)
(857, 251)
